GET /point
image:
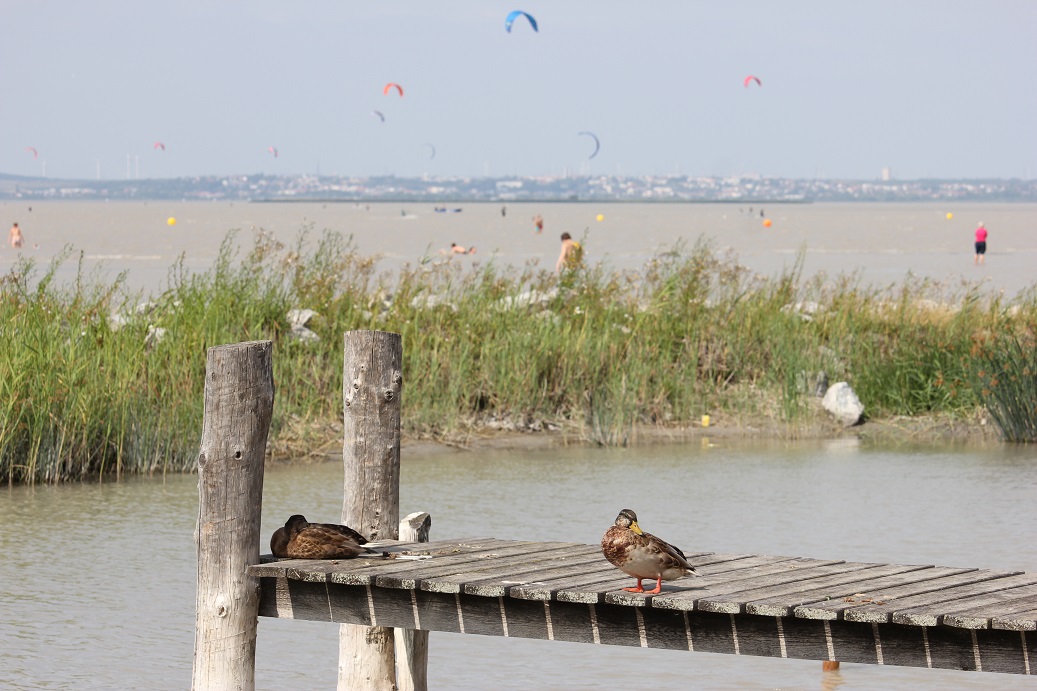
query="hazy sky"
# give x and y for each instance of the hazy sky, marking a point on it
(927, 88)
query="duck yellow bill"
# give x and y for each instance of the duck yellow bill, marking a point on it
(636, 528)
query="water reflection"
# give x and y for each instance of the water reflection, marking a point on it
(97, 580)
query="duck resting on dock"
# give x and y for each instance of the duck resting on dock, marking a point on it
(300, 539)
(643, 555)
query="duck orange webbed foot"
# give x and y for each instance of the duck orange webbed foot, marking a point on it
(658, 588)
(638, 589)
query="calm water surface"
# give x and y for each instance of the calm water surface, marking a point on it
(97, 580)
(882, 243)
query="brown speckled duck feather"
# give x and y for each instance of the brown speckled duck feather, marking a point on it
(642, 555)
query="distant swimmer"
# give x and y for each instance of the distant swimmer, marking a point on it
(981, 244)
(16, 236)
(538, 220)
(458, 249)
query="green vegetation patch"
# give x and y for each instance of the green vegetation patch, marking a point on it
(95, 381)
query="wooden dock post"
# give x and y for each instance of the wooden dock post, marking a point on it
(372, 380)
(239, 403)
(412, 644)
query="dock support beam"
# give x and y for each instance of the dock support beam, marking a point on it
(412, 644)
(372, 381)
(239, 403)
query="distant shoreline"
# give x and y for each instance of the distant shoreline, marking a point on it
(667, 189)
(546, 200)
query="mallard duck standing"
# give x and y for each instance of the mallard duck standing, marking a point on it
(300, 539)
(642, 555)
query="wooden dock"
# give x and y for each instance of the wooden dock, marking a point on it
(744, 604)
(770, 606)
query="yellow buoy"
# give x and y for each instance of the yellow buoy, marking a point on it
(949, 215)
(600, 217)
(171, 221)
(766, 223)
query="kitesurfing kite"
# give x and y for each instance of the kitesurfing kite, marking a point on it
(512, 16)
(272, 150)
(378, 114)
(750, 79)
(432, 149)
(392, 85)
(160, 145)
(32, 150)
(597, 144)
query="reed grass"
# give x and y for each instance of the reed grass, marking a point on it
(598, 352)
(1006, 382)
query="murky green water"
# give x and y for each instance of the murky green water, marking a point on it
(97, 581)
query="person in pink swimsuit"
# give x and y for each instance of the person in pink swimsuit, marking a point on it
(981, 243)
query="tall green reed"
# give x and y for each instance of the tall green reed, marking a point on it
(1005, 379)
(598, 352)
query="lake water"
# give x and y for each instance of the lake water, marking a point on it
(97, 580)
(883, 242)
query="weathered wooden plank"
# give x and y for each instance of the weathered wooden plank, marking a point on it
(826, 604)
(1024, 620)
(1002, 600)
(711, 595)
(545, 584)
(782, 600)
(875, 612)
(743, 634)
(439, 564)
(733, 568)
(680, 594)
(514, 582)
(790, 593)
(493, 566)
(589, 587)
(837, 607)
(605, 577)
(982, 618)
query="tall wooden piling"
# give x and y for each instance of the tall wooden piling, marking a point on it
(239, 403)
(371, 385)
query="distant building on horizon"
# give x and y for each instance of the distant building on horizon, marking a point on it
(887, 175)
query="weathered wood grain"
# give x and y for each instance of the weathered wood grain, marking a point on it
(412, 643)
(978, 616)
(239, 403)
(372, 382)
(887, 611)
(1023, 620)
(933, 614)
(490, 567)
(394, 574)
(779, 601)
(893, 592)
(828, 604)
(714, 588)
(742, 634)
(561, 591)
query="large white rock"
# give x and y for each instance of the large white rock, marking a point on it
(842, 403)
